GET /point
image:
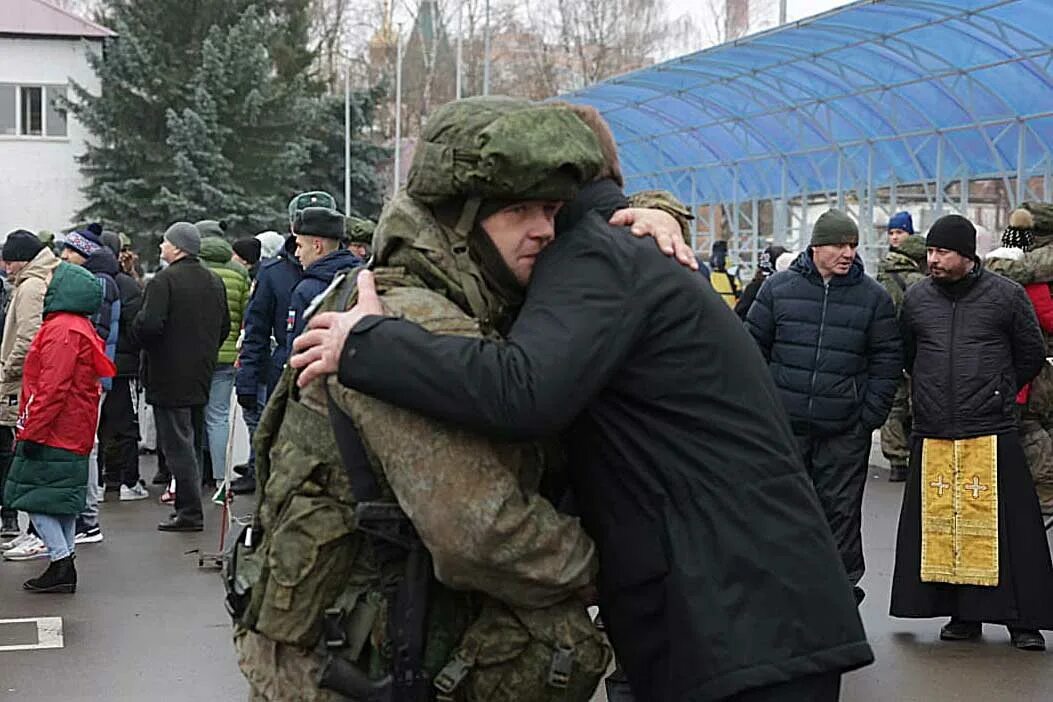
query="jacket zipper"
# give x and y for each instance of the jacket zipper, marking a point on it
(818, 348)
(950, 372)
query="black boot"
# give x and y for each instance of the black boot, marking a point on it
(245, 485)
(161, 477)
(959, 630)
(60, 576)
(1027, 639)
(897, 474)
(9, 527)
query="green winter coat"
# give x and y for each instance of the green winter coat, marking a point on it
(901, 269)
(216, 254)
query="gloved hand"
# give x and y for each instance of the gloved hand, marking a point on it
(247, 401)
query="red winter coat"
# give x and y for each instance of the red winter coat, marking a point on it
(60, 384)
(1042, 301)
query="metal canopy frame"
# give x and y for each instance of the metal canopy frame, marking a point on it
(926, 105)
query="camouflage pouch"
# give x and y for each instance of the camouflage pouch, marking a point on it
(516, 655)
(1040, 400)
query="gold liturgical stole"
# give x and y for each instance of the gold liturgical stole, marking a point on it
(959, 511)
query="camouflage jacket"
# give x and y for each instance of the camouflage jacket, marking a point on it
(1036, 266)
(898, 265)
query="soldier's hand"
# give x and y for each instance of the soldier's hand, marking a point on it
(317, 351)
(660, 225)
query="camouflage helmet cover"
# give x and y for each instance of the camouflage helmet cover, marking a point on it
(1042, 213)
(503, 148)
(360, 230)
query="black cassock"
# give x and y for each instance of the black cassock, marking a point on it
(1024, 595)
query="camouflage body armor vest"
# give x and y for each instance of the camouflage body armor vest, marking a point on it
(314, 580)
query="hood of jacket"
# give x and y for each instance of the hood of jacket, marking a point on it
(332, 263)
(40, 267)
(216, 250)
(103, 261)
(73, 289)
(805, 265)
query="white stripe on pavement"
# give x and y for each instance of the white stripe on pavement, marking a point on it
(49, 633)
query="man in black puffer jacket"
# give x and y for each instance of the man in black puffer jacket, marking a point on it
(972, 341)
(830, 336)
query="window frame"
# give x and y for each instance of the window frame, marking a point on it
(44, 109)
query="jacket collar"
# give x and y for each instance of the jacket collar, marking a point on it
(805, 265)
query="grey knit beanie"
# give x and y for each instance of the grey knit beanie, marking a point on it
(185, 237)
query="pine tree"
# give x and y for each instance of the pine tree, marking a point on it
(327, 172)
(209, 108)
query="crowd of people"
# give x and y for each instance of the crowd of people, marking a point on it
(532, 402)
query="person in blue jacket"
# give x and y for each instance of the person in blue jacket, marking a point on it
(265, 347)
(319, 232)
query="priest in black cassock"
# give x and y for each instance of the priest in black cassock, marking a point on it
(971, 544)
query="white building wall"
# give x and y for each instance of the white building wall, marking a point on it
(39, 178)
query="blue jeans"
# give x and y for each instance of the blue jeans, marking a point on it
(217, 418)
(57, 533)
(89, 516)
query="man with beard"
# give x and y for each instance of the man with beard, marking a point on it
(718, 576)
(971, 544)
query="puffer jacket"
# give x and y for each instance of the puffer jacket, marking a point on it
(60, 399)
(970, 347)
(833, 348)
(217, 255)
(107, 319)
(24, 317)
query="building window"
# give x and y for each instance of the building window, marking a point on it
(32, 111)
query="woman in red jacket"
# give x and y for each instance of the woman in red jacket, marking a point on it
(57, 420)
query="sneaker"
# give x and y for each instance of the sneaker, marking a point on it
(29, 549)
(168, 496)
(88, 535)
(102, 496)
(15, 542)
(135, 492)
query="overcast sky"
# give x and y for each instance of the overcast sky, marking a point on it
(702, 12)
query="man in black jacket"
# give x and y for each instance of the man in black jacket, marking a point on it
(971, 544)
(182, 323)
(719, 578)
(829, 335)
(119, 419)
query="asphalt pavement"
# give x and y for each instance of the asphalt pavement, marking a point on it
(148, 624)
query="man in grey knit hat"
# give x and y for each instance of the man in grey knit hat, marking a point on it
(181, 325)
(830, 336)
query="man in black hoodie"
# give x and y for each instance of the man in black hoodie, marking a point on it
(119, 421)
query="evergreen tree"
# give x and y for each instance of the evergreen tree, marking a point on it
(326, 168)
(207, 109)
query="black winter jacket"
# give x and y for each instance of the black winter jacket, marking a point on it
(127, 345)
(182, 323)
(718, 572)
(834, 350)
(970, 347)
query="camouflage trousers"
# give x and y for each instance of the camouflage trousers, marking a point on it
(1038, 448)
(278, 672)
(895, 432)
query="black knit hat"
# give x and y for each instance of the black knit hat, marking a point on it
(954, 233)
(319, 221)
(21, 245)
(248, 250)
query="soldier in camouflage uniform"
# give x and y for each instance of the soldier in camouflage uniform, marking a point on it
(360, 236)
(475, 502)
(902, 267)
(1035, 266)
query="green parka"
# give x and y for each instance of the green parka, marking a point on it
(216, 254)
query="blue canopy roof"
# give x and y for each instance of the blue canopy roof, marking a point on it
(879, 92)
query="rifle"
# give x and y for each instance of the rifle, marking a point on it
(394, 541)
